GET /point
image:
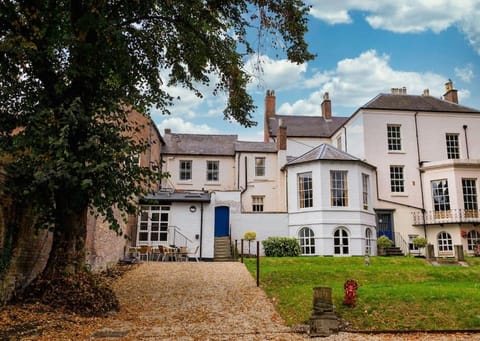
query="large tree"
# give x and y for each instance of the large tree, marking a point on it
(70, 71)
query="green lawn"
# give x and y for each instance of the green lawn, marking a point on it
(395, 293)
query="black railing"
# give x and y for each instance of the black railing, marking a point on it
(446, 217)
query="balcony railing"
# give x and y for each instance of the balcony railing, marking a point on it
(446, 217)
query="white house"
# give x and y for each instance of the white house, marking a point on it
(331, 203)
(401, 166)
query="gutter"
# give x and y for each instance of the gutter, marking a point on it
(420, 175)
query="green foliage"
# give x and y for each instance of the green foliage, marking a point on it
(250, 235)
(395, 293)
(281, 247)
(384, 242)
(70, 70)
(419, 242)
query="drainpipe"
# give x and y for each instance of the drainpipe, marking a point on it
(238, 170)
(466, 140)
(345, 132)
(201, 229)
(420, 176)
(246, 177)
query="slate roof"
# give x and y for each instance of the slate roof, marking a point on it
(199, 144)
(306, 126)
(415, 103)
(259, 147)
(171, 196)
(325, 152)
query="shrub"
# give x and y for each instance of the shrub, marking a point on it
(250, 235)
(419, 242)
(384, 242)
(281, 247)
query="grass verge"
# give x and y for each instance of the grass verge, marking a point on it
(395, 293)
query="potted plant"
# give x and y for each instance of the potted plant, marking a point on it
(249, 235)
(420, 243)
(383, 243)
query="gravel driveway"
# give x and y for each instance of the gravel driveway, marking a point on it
(206, 301)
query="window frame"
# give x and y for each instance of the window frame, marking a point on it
(151, 230)
(440, 200)
(445, 242)
(185, 173)
(452, 145)
(473, 238)
(339, 188)
(305, 193)
(469, 192)
(260, 169)
(365, 190)
(340, 247)
(397, 179)
(258, 203)
(394, 138)
(211, 172)
(306, 239)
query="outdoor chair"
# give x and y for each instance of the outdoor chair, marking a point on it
(145, 250)
(183, 254)
(170, 253)
(132, 252)
(193, 254)
(157, 253)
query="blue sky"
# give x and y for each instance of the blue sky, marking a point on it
(363, 47)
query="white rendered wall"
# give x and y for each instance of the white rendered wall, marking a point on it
(297, 146)
(199, 173)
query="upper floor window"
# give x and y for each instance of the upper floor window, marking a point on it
(212, 170)
(338, 188)
(441, 198)
(185, 170)
(453, 149)
(365, 181)
(470, 204)
(394, 138)
(259, 166)
(257, 203)
(397, 181)
(305, 190)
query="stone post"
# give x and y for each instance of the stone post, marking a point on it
(459, 253)
(323, 321)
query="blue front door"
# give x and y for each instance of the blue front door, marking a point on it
(385, 225)
(222, 221)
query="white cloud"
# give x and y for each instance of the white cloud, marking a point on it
(178, 125)
(465, 73)
(357, 80)
(406, 16)
(274, 74)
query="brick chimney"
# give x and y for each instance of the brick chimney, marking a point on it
(326, 107)
(269, 113)
(281, 136)
(451, 94)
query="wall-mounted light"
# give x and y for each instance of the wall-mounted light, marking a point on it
(193, 209)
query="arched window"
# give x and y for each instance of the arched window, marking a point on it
(307, 241)
(340, 241)
(444, 242)
(473, 238)
(368, 241)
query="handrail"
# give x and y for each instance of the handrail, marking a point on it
(176, 230)
(401, 243)
(452, 216)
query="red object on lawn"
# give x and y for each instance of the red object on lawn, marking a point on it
(350, 287)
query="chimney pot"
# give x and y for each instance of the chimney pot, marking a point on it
(426, 92)
(451, 94)
(168, 131)
(269, 113)
(326, 107)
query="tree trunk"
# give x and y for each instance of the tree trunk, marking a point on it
(67, 255)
